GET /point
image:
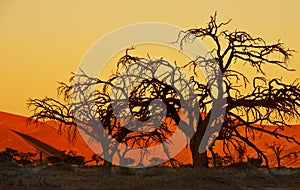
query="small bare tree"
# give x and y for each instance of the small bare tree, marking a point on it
(278, 149)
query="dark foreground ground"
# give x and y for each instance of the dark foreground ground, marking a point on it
(66, 177)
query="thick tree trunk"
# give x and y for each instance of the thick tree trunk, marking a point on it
(200, 160)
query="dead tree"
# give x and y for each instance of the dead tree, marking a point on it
(278, 149)
(269, 101)
(94, 113)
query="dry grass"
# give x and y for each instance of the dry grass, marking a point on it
(14, 177)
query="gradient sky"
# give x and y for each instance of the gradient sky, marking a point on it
(42, 42)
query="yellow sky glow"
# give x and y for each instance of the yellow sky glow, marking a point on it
(42, 42)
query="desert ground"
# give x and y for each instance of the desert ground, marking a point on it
(90, 177)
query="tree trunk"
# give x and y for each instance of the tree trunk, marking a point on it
(278, 161)
(41, 158)
(106, 168)
(200, 160)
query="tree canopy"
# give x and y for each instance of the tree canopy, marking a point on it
(252, 103)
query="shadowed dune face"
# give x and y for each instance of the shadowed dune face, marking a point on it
(17, 134)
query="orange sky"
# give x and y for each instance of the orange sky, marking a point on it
(43, 42)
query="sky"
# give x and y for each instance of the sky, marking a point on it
(42, 42)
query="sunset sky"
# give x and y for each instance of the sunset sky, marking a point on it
(42, 42)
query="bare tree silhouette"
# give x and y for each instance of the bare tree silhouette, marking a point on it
(267, 102)
(96, 109)
(247, 113)
(278, 150)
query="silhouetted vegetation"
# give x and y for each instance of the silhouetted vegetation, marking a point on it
(96, 158)
(71, 158)
(54, 160)
(251, 102)
(12, 155)
(278, 149)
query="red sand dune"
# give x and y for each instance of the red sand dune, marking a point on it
(16, 133)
